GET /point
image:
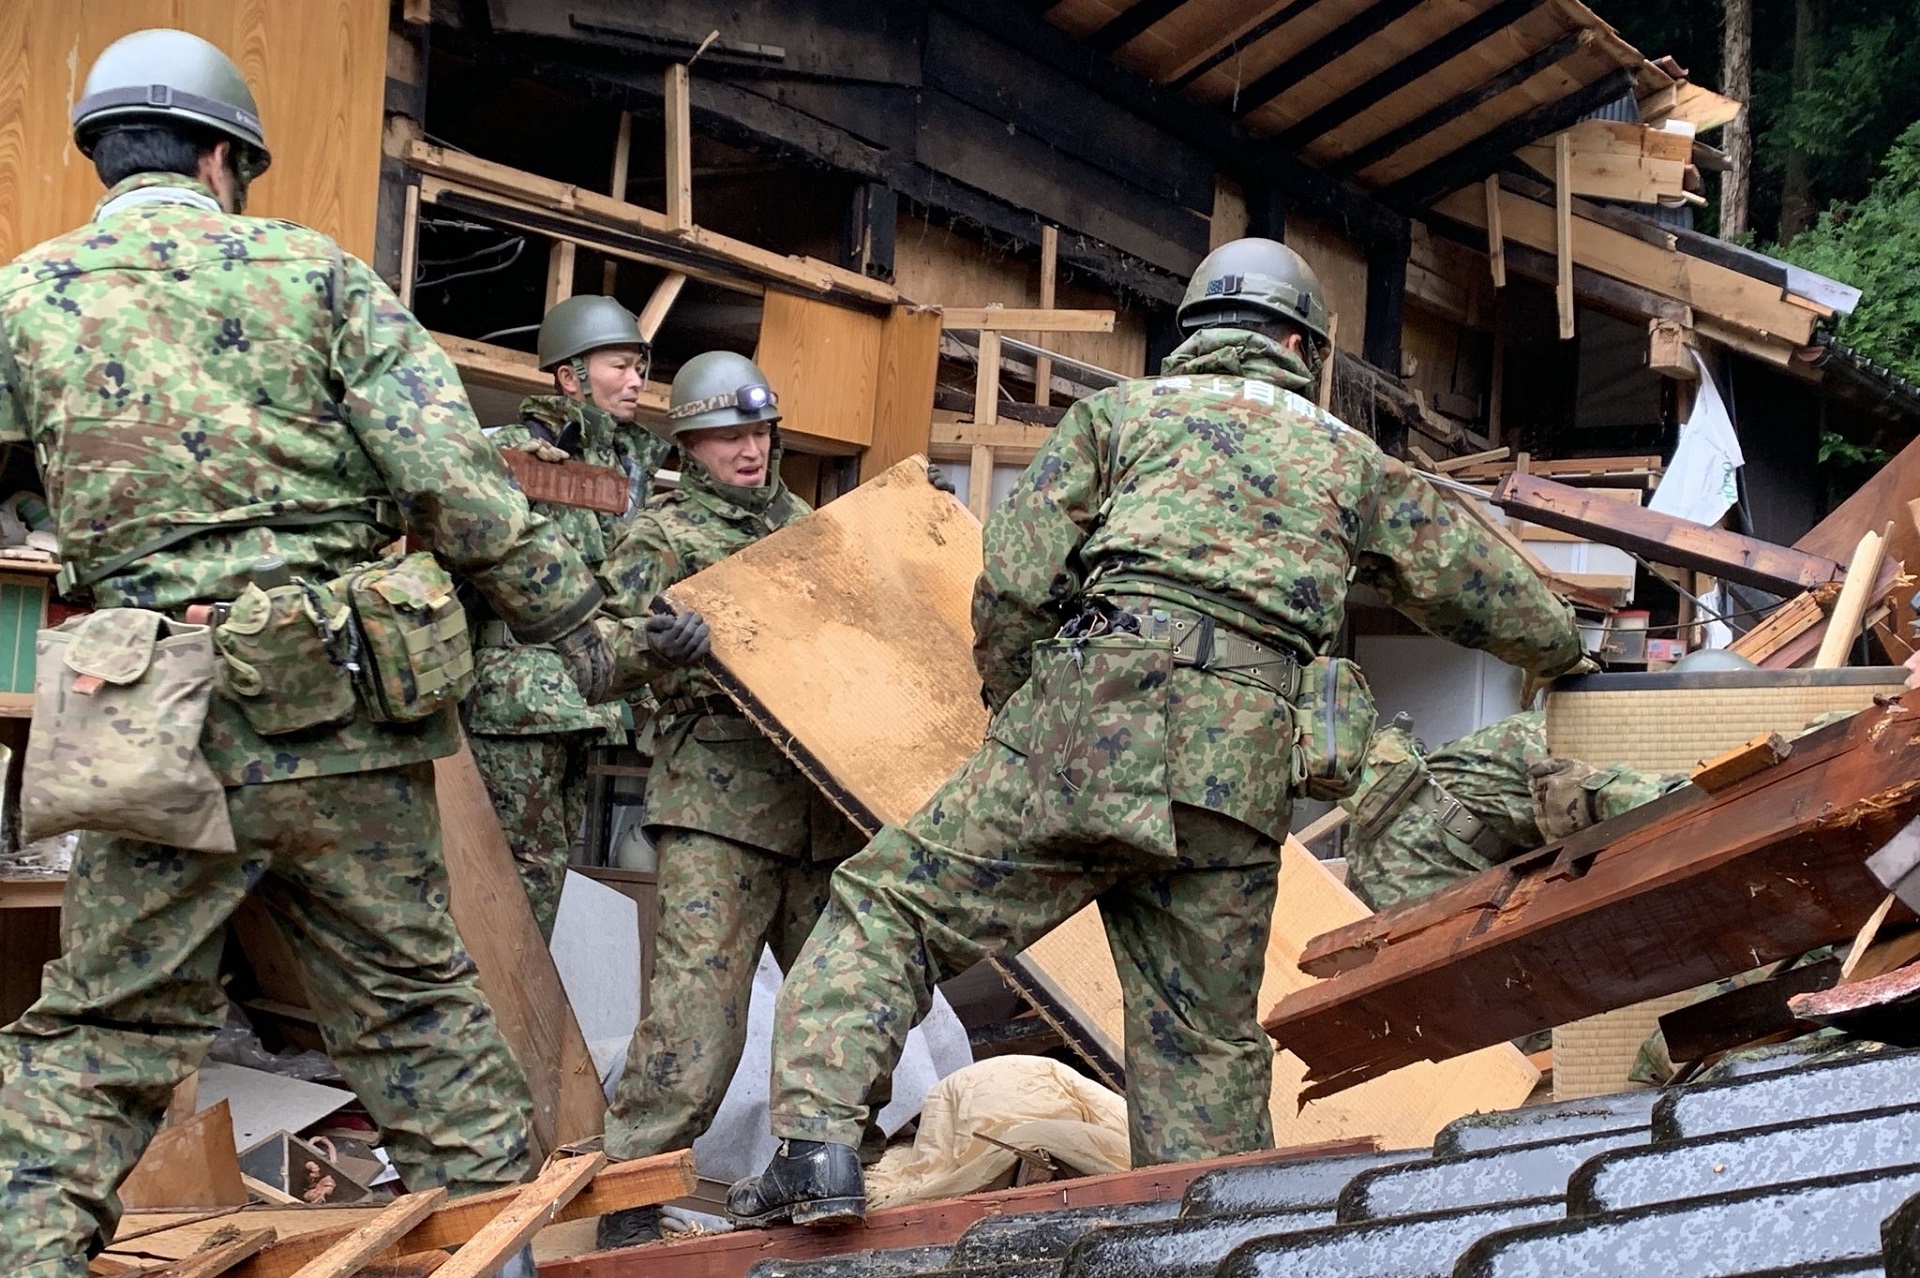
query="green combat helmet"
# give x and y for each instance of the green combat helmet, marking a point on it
(163, 76)
(582, 324)
(1255, 280)
(716, 389)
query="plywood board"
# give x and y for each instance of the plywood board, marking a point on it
(517, 972)
(1404, 1109)
(823, 361)
(871, 593)
(318, 72)
(192, 1164)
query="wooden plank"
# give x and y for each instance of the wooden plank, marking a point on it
(906, 378)
(409, 246)
(986, 380)
(1496, 242)
(569, 483)
(1881, 498)
(222, 1259)
(1844, 625)
(679, 122)
(1049, 277)
(659, 302)
(1664, 538)
(31, 894)
(560, 266)
(517, 974)
(1750, 305)
(641, 1182)
(1325, 825)
(1484, 457)
(1679, 892)
(1781, 626)
(1741, 762)
(823, 362)
(1011, 319)
(347, 1256)
(536, 1206)
(516, 186)
(499, 367)
(189, 1165)
(617, 188)
(1563, 233)
(917, 1225)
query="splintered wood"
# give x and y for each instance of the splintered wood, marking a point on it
(846, 638)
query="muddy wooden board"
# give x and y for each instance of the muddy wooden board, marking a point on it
(846, 636)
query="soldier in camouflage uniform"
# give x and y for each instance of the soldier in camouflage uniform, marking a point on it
(528, 726)
(202, 389)
(746, 843)
(1424, 820)
(1148, 772)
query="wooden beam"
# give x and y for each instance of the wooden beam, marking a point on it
(1735, 298)
(1563, 234)
(1684, 890)
(659, 302)
(679, 121)
(1863, 573)
(1474, 160)
(617, 188)
(1741, 762)
(1458, 106)
(1496, 243)
(1430, 57)
(918, 1225)
(1128, 23)
(986, 379)
(980, 481)
(503, 368)
(1784, 624)
(1049, 275)
(1664, 539)
(1256, 22)
(560, 265)
(590, 209)
(1004, 319)
(1343, 38)
(223, 1259)
(532, 1210)
(642, 1182)
(347, 1256)
(409, 245)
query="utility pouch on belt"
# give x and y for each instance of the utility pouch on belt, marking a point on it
(119, 699)
(1335, 716)
(1098, 742)
(415, 659)
(1394, 770)
(285, 657)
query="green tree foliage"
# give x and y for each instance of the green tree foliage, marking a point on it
(1874, 245)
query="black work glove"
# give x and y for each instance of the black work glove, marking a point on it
(588, 659)
(938, 478)
(681, 640)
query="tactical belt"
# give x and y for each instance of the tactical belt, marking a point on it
(711, 703)
(1203, 643)
(72, 580)
(1457, 821)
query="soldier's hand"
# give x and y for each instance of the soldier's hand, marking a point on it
(588, 659)
(681, 640)
(1562, 804)
(938, 478)
(543, 450)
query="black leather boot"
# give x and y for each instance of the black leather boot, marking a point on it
(628, 1228)
(809, 1182)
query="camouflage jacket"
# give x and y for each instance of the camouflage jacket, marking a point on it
(524, 690)
(173, 364)
(1216, 487)
(713, 771)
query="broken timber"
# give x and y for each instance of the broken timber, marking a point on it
(1685, 890)
(1665, 539)
(917, 1224)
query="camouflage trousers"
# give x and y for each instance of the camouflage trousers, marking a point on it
(961, 882)
(350, 867)
(720, 902)
(538, 785)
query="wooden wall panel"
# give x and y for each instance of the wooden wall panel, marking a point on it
(822, 361)
(933, 265)
(903, 400)
(318, 71)
(1342, 267)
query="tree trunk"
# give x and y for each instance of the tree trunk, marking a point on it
(1796, 194)
(1736, 57)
